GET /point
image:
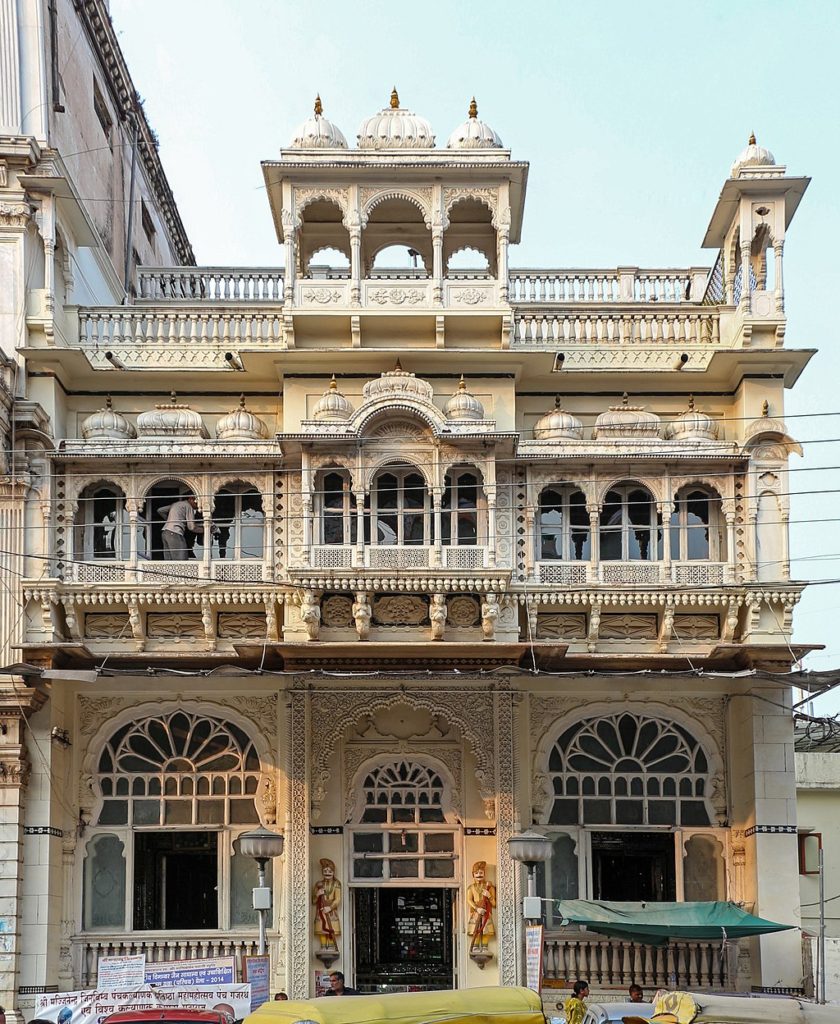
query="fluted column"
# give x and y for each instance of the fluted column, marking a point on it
(437, 265)
(360, 530)
(10, 123)
(746, 301)
(356, 267)
(731, 560)
(502, 262)
(491, 531)
(666, 510)
(437, 549)
(207, 540)
(595, 538)
(778, 252)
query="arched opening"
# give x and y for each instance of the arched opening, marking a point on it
(323, 234)
(171, 526)
(462, 507)
(396, 222)
(470, 234)
(564, 533)
(768, 537)
(101, 527)
(335, 507)
(697, 526)
(399, 508)
(238, 522)
(630, 527)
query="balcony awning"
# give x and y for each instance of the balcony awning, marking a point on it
(657, 923)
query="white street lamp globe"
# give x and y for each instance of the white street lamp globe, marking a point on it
(261, 844)
(529, 847)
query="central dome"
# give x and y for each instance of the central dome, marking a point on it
(474, 134)
(396, 128)
(752, 155)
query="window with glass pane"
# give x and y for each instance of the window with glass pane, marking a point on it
(459, 508)
(697, 527)
(630, 527)
(558, 878)
(401, 509)
(102, 527)
(338, 519)
(238, 522)
(104, 882)
(244, 876)
(564, 525)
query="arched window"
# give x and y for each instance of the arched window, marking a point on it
(239, 522)
(628, 769)
(564, 526)
(155, 516)
(337, 508)
(102, 529)
(400, 507)
(177, 789)
(403, 830)
(630, 526)
(460, 507)
(697, 527)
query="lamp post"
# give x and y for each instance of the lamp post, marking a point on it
(263, 845)
(530, 848)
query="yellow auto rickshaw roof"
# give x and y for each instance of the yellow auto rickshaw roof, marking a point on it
(700, 1008)
(464, 1006)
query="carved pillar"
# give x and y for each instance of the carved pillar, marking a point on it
(502, 262)
(595, 535)
(68, 911)
(10, 121)
(360, 531)
(731, 553)
(289, 222)
(297, 848)
(746, 301)
(778, 251)
(509, 945)
(530, 539)
(491, 529)
(785, 517)
(356, 266)
(437, 549)
(437, 265)
(207, 539)
(666, 510)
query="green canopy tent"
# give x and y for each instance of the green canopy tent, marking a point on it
(658, 923)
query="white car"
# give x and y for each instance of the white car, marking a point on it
(611, 1013)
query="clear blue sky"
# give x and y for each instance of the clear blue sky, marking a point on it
(629, 113)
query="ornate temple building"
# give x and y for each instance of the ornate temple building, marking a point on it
(391, 548)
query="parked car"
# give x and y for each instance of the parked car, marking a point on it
(611, 1013)
(699, 1008)
(168, 1015)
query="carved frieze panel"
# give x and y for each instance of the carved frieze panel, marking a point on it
(628, 627)
(337, 611)
(240, 624)
(561, 626)
(696, 627)
(94, 711)
(400, 610)
(174, 625)
(463, 611)
(107, 625)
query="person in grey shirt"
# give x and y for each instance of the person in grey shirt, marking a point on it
(180, 517)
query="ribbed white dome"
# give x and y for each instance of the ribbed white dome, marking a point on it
(398, 383)
(474, 134)
(396, 128)
(105, 423)
(558, 424)
(692, 425)
(463, 405)
(241, 425)
(171, 420)
(753, 156)
(318, 133)
(332, 405)
(623, 421)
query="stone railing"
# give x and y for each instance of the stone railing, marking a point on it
(624, 284)
(694, 573)
(210, 284)
(393, 556)
(159, 947)
(246, 570)
(612, 962)
(585, 325)
(105, 328)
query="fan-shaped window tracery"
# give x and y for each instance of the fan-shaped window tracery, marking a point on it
(628, 769)
(404, 792)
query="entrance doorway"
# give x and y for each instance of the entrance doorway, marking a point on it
(404, 939)
(176, 880)
(634, 866)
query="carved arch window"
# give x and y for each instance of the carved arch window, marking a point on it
(101, 528)
(399, 508)
(238, 522)
(564, 532)
(335, 506)
(154, 513)
(628, 769)
(697, 525)
(404, 825)
(462, 508)
(630, 527)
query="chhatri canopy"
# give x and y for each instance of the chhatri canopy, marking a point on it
(658, 922)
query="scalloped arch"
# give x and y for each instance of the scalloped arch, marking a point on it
(396, 193)
(423, 759)
(175, 478)
(335, 198)
(403, 461)
(653, 487)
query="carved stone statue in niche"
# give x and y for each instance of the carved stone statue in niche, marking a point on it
(362, 614)
(310, 613)
(481, 901)
(326, 897)
(489, 614)
(437, 615)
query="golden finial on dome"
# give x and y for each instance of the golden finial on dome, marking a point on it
(109, 405)
(752, 139)
(625, 398)
(558, 404)
(318, 107)
(333, 384)
(765, 408)
(242, 400)
(398, 366)
(691, 403)
(473, 112)
(462, 384)
(173, 398)
(395, 98)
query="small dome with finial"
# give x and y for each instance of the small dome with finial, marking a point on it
(395, 128)
(318, 133)
(107, 424)
(241, 425)
(626, 421)
(558, 425)
(474, 134)
(171, 420)
(332, 405)
(463, 405)
(752, 156)
(692, 425)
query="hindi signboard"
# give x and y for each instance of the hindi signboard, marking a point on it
(533, 956)
(121, 972)
(256, 970)
(93, 1006)
(210, 970)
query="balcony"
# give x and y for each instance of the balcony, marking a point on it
(392, 556)
(686, 574)
(250, 570)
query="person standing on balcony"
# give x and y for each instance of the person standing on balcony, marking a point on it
(180, 517)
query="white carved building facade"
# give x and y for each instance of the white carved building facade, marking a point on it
(426, 604)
